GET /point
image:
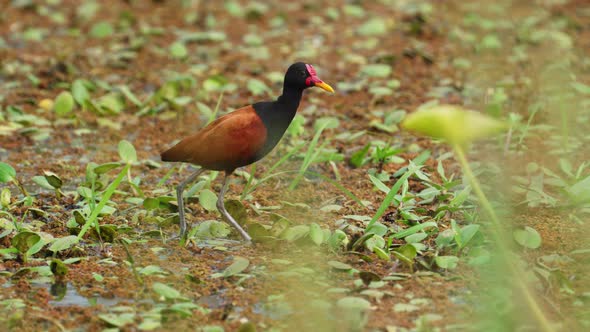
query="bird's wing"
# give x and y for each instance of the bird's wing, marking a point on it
(225, 144)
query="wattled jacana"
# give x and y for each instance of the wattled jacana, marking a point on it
(242, 137)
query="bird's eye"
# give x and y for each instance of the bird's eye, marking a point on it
(303, 73)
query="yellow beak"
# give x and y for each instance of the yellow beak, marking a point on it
(324, 86)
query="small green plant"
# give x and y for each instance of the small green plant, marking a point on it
(128, 155)
(8, 174)
(313, 150)
(50, 181)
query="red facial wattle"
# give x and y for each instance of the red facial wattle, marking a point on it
(313, 76)
(314, 80)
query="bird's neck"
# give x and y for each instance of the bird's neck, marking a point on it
(276, 116)
(290, 99)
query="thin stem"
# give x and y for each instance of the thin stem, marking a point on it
(564, 129)
(249, 182)
(21, 187)
(130, 181)
(214, 114)
(504, 250)
(166, 177)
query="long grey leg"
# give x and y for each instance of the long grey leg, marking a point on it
(228, 217)
(180, 200)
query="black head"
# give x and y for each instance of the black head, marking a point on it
(302, 76)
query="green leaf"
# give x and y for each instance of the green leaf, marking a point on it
(118, 320)
(316, 234)
(375, 241)
(5, 197)
(382, 254)
(415, 238)
(414, 229)
(64, 243)
(58, 268)
(527, 237)
(23, 241)
(294, 233)
(129, 95)
(373, 27)
(178, 50)
(252, 39)
(101, 30)
(238, 266)
(111, 103)
(42, 182)
(329, 122)
(166, 291)
(37, 246)
(406, 253)
(212, 328)
(354, 303)
(151, 203)
(7, 173)
(127, 152)
(478, 256)
(211, 229)
(405, 307)
(358, 158)
(80, 92)
(208, 200)
(106, 167)
(453, 124)
(491, 41)
(149, 323)
(467, 233)
(337, 240)
(377, 229)
(580, 191)
(64, 103)
(581, 87)
(377, 70)
(52, 179)
(152, 270)
(445, 238)
(339, 266)
(461, 197)
(447, 262)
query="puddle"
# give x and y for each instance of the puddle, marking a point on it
(214, 301)
(273, 310)
(65, 294)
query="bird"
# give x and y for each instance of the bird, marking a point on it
(242, 137)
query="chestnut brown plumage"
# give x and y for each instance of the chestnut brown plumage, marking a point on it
(242, 137)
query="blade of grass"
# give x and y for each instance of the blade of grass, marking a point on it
(214, 114)
(339, 186)
(413, 229)
(392, 192)
(166, 177)
(249, 182)
(105, 198)
(308, 157)
(249, 189)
